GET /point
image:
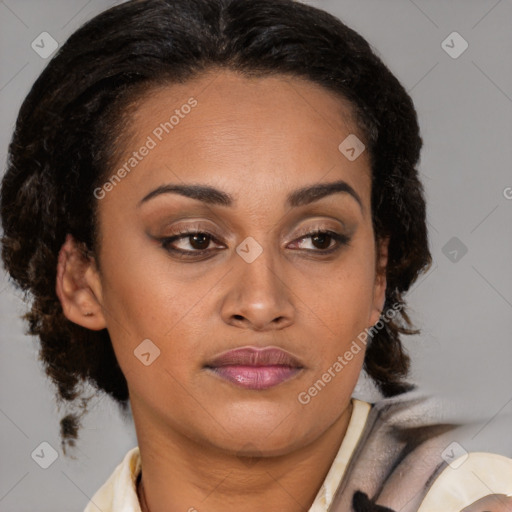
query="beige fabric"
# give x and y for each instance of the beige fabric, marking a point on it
(354, 430)
(468, 479)
(118, 493)
(471, 483)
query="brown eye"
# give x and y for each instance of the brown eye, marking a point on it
(189, 243)
(322, 240)
(199, 241)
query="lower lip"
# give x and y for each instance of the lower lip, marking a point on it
(256, 377)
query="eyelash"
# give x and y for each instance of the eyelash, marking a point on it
(341, 240)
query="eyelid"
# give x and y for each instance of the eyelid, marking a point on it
(321, 225)
(193, 227)
(197, 226)
(325, 224)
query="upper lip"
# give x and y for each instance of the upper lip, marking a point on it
(251, 356)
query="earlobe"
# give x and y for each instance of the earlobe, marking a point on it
(78, 287)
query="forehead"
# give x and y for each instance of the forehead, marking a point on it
(246, 135)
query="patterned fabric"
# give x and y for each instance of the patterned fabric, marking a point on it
(409, 461)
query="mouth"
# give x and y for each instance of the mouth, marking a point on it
(255, 368)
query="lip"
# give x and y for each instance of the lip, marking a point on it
(255, 368)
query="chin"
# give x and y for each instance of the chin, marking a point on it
(268, 436)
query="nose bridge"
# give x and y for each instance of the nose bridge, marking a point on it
(258, 295)
(258, 264)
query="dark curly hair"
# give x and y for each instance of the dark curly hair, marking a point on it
(63, 147)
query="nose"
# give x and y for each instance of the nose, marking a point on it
(258, 296)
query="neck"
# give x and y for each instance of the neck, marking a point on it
(182, 475)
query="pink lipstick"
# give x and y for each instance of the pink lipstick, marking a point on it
(255, 368)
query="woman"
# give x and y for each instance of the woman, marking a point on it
(218, 217)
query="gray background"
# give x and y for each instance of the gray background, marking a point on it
(463, 307)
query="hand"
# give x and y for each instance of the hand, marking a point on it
(491, 503)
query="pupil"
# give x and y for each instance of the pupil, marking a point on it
(203, 241)
(323, 238)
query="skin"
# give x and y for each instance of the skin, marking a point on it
(205, 442)
(494, 503)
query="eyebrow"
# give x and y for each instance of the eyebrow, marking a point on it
(213, 196)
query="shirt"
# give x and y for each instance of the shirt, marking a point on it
(119, 493)
(453, 489)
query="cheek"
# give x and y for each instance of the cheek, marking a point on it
(143, 300)
(340, 349)
(344, 308)
(346, 296)
(155, 332)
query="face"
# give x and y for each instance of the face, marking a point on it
(247, 262)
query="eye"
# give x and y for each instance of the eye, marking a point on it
(192, 243)
(197, 243)
(324, 241)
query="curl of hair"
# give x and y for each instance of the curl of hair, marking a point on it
(63, 147)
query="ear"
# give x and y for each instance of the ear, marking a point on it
(78, 287)
(379, 290)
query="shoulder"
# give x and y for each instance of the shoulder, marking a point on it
(440, 464)
(119, 491)
(472, 482)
